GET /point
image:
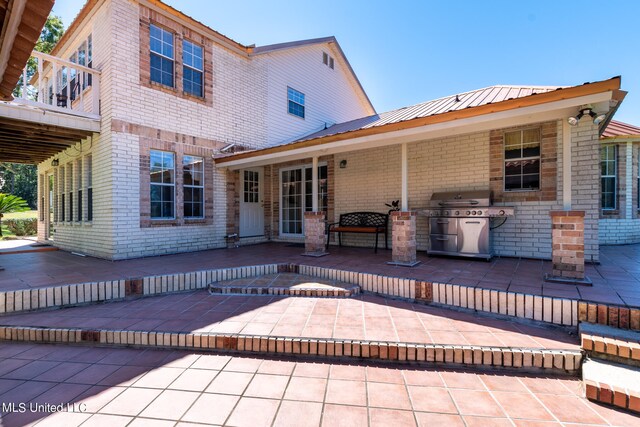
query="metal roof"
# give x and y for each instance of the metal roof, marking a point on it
(620, 129)
(460, 101)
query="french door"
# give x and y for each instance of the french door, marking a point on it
(296, 197)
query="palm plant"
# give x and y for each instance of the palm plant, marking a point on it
(10, 203)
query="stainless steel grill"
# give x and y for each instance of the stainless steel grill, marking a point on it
(460, 223)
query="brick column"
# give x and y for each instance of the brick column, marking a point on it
(567, 229)
(314, 234)
(403, 237)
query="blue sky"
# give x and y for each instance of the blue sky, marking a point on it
(406, 52)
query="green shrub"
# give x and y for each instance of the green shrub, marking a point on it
(22, 227)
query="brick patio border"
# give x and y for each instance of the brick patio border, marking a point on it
(611, 395)
(284, 291)
(558, 311)
(525, 359)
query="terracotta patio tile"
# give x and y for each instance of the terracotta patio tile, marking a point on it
(392, 396)
(386, 417)
(230, 383)
(345, 392)
(474, 421)
(384, 375)
(428, 419)
(243, 364)
(211, 361)
(211, 409)
(101, 420)
(170, 405)
(308, 369)
(96, 397)
(472, 402)
(66, 419)
(28, 370)
(522, 405)
(298, 414)
(124, 376)
(348, 372)
(147, 422)
(570, 409)
(130, 402)
(159, 377)
(194, 380)
(431, 399)
(276, 367)
(306, 389)
(267, 386)
(347, 416)
(467, 380)
(251, 412)
(507, 382)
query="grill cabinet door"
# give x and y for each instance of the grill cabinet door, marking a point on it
(473, 235)
(443, 226)
(444, 242)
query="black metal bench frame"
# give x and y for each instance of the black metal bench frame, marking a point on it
(360, 222)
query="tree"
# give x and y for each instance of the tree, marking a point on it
(21, 180)
(49, 36)
(10, 203)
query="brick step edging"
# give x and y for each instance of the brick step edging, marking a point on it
(611, 395)
(609, 348)
(523, 359)
(284, 291)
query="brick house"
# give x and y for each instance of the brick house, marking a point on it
(201, 138)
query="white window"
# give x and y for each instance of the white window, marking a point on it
(192, 68)
(522, 160)
(161, 43)
(89, 172)
(162, 180)
(79, 187)
(608, 166)
(193, 182)
(296, 102)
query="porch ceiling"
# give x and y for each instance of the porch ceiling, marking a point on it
(21, 22)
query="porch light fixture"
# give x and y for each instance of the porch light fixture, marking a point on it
(343, 164)
(597, 119)
(55, 162)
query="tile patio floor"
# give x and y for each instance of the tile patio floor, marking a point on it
(118, 387)
(616, 279)
(364, 317)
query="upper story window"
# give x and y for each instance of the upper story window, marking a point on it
(608, 168)
(327, 60)
(296, 102)
(161, 43)
(163, 181)
(192, 68)
(193, 182)
(522, 160)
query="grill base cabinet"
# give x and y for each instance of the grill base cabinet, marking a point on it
(460, 223)
(468, 237)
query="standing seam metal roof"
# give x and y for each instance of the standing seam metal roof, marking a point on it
(616, 128)
(456, 102)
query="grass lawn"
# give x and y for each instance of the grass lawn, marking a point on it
(16, 215)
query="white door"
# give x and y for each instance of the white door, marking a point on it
(251, 203)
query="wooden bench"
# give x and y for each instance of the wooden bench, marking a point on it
(360, 222)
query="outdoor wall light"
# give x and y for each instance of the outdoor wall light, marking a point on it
(55, 162)
(343, 164)
(597, 119)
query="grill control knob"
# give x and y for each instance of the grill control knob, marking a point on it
(479, 212)
(473, 212)
(468, 213)
(446, 213)
(501, 212)
(457, 213)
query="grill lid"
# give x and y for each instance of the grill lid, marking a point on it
(460, 199)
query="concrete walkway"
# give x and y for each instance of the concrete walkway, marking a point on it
(118, 387)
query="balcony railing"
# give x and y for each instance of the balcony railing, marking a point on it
(60, 85)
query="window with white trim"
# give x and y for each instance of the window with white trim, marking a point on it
(192, 68)
(295, 102)
(162, 184)
(161, 44)
(89, 167)
(608, 176)
(522, 160)
(193, 183)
